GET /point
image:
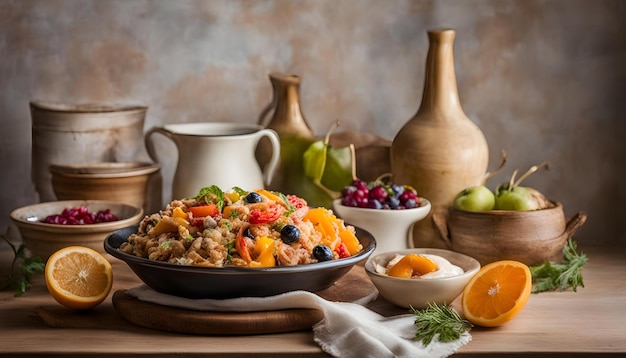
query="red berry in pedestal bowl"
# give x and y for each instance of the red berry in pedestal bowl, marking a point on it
(379, 195)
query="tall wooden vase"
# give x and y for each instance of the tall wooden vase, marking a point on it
(286, 118)
(439, 151)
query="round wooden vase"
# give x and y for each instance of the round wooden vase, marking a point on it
(439, 151)
(295, 137)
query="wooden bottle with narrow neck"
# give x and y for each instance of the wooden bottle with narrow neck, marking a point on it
(287, 119)
(439, 151)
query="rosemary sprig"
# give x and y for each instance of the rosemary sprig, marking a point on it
(441, 320)
(28, 267)
(553, 276)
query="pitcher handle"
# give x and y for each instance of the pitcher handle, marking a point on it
(270, 167)
(150, 145)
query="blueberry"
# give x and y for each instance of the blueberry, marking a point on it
(394, 202)
(290, 234)
(397, 188)
(322, 253)
(411, 203)
(253, 197)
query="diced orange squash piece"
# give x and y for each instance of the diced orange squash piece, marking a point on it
(351, 241)
(204, 210)
(412, 264)
(179, 213)
(233, 196)
(168, 224)
(227, 211)
(264, 249)
(270, 195)
(163, 226)
(322, 217)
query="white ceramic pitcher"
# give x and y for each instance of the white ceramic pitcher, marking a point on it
(216, 153)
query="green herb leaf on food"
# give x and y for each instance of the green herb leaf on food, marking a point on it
(240, 191)
(290, 208)
(212, 194)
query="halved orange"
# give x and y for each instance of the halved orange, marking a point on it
(497, 293)
(78, 277)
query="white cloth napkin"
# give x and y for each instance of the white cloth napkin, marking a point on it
(347, 330)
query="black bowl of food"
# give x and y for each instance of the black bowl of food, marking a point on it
(231, 282)
(240, 244)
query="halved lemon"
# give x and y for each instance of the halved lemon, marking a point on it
(78, 277)
(497, 293)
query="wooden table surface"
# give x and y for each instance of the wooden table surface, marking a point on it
(584, 323)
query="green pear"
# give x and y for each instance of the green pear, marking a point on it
(475, 198)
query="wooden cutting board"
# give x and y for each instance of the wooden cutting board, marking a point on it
(353, 286)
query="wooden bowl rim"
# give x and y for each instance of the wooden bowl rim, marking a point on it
(557, 206)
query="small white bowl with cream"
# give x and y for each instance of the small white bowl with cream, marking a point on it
(416, 277)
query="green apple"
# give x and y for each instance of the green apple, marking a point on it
(475, 198)
(517, 198)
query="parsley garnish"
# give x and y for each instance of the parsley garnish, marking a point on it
(240, 191)
(230, 246)
(212, 194)
(553, 276)
(28, 267)
(290, 208)
(227, 224)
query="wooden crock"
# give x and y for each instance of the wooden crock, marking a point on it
(531, 237)
(75, 134)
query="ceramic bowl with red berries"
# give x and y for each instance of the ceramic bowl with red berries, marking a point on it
(387, 210)
(50, 226)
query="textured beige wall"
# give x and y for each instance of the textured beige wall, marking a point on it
(544, 80)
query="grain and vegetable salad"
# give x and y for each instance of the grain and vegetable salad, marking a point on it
(259, 228)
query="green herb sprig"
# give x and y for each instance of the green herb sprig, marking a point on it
(212, 194)
(28, 267)
(439, 319)
(555, 276)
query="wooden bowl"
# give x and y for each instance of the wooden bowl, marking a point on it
(43, 239)
(531, 237)
(133, 183)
